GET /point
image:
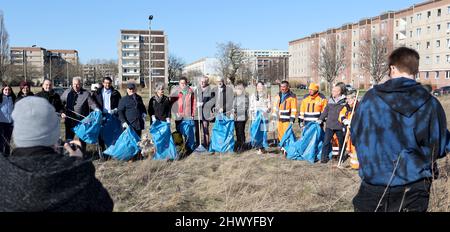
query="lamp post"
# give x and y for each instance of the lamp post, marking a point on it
(24, 61)
(51, 78)
(150, 18)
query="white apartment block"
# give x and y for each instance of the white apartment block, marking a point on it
(203, 67)
(133, 62)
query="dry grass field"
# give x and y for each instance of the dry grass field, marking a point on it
(244, 182)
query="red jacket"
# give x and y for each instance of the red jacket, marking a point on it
(186, 104)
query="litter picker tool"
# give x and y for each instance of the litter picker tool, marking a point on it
(200, 148)
(348, 131)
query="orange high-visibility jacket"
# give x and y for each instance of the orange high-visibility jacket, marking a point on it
(312, 107)
(287, 110)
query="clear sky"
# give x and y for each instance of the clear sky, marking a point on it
(194, 27)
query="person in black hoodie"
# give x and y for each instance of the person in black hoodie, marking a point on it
(159, 106)
(331, 115)
(25, 90)
(36, 178)
(53, 98)
(399, 131)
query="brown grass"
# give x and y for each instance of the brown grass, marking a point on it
(246, 182)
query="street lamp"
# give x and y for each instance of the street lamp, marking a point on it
(150, 18)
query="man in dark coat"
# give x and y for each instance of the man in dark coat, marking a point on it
(223, 98)
(77, 102)
(52, 97)
(132, 110)
(399, 131)
(38, 179)
(331, 115)
(107, 98)
(205, 104)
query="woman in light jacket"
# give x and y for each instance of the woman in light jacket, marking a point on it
(260, 101)
(7, 99)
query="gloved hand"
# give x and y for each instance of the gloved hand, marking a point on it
(346, 122)
(97, 109)
(301, 123)
(144, 116)
(114, 111)
(199, 104)
(232, 116)
(320, 122)
(124, 125)
(168, 120)
(153, 118)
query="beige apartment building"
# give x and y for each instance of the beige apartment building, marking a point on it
(37, 63)
(133, 62)
(70, 56)
(424, 27)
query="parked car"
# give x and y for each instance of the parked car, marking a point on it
(59, 90)
(442, 91)
(301, 86)
(350, 88)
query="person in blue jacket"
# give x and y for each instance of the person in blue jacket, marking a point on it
(399, 131)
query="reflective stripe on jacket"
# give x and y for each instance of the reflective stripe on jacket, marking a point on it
(312, 107)
(287, 110)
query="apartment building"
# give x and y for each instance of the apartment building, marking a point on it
(36, 63)
(424, 27)
(205, 66)
(134, 50)
(267, 65)
(70, 56)
(94, 73)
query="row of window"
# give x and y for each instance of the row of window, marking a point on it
(436, 75)
(429, 14)
(428, 44)
(438, 59)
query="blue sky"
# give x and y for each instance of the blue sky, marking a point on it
(193, 27)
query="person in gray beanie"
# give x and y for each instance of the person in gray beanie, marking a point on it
(36, 178)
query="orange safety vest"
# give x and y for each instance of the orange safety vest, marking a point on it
(312, 107)
(286, 110)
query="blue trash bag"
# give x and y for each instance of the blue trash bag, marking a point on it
(288, 138)
(186, 128)
(162, 137)
(89, 128)
(110, 130)
(126, 146)
(309, 147)
(258, 131)
(222, 139)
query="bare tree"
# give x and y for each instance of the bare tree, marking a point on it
(4, 48)
(373, 58)
(331, 59)
(176, 65)
(231, 60)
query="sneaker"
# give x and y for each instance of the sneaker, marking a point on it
(259, 152)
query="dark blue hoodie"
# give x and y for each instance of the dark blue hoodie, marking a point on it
(398, 130)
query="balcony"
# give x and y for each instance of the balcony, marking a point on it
(130, 57)
(131, 65)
